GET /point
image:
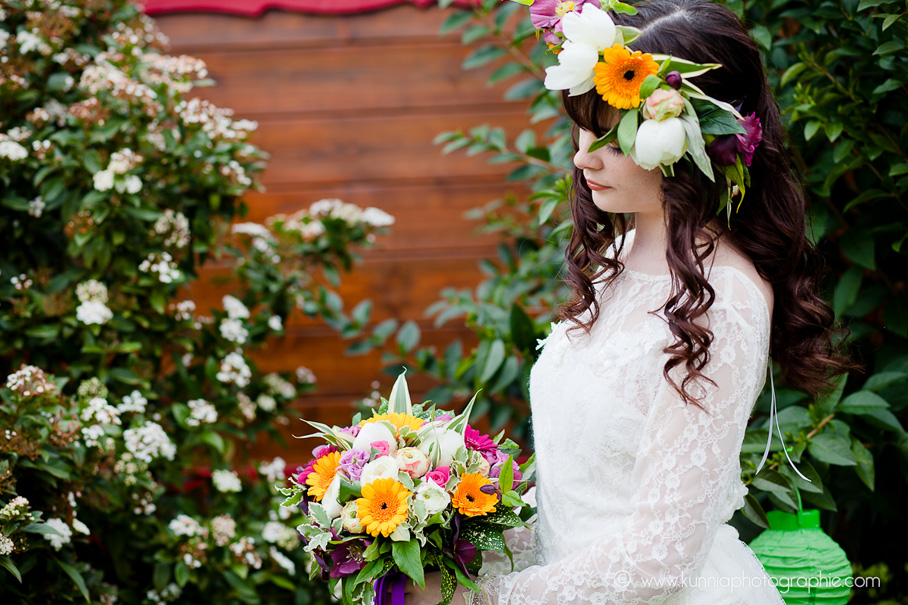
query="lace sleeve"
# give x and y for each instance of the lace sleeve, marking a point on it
(686, 478)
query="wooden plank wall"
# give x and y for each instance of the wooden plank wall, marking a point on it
(347, 107)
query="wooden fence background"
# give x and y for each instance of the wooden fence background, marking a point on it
(348, 107)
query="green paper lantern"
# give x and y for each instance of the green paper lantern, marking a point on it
(807, 565)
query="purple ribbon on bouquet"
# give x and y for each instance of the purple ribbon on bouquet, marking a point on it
(397, 582)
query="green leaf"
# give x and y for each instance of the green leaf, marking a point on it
(890, 20)
(650, 84)
(181, 574)
(407, 557)
(408, 336)
(771, 481)
(858, 246)
(865, 468)
(862, 402)
(73, 573)
(523, 329)
(827, 402)
(762, 36)
(811, 129)
(493, 361)
(832, 447)
(8, 564)
(506, 478)
(546, 209)
(889, 84)
(454, 21)
(865, 4)
(474, 33)
(889, 48)
(483, 55)
(720, 122)
(214, 440)
(627, 130)
(846, 291)
(753, 512)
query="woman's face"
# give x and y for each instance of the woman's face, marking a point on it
(617, 183)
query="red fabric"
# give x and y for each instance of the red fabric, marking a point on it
(256, 7)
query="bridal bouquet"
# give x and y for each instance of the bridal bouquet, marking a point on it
(410, 489)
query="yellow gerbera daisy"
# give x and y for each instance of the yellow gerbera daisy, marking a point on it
(397, 419)
(469, 498)
(383, 506)
(322, 474)
(619, 78)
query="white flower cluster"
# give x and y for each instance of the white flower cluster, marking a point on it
(176, 72)
(124, 160)
(275, 323)
(28, 381)
(278, 386)
(16, 507)
(305, 375)
(244, 550)
(93, 296)
(234, 331)
(30, 41)
(162, 265)
(253, 230)
(185, 525)
(103, 75)
(247, 408)
(148, 442)
(143, 504)
(266, 403)
(101, 412)
(226, 481)
(273, 531)
(234, 370)
(63, 535)
(36, 207)
(184, 309)
(92, 435)
(215, 121)
(377, 217)
(234, 307)
(223, 529)
(13, 151)
(104, 180)
(235, 171)
(282, 560)
(350, 213)
(6, 546)
(129, 469)
(170, 593)
(134, 402)
(274, 470)
(21, 282)
(201, 412)
(175, 226)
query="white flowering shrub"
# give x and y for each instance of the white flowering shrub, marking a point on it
(126, 411)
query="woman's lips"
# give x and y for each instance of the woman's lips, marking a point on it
(596, 186)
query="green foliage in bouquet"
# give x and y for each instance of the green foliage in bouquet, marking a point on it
(839, 72)
(126, 411)
(409, 489)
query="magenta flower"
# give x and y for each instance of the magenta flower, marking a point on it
(352, 463)
(547, 14)
(726, 148)
(302, 473)
(383, 447)
(478, 442)
(323, 449)
(495, 471)
(348, 558)
(439, 476)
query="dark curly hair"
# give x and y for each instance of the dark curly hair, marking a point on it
(770, 227)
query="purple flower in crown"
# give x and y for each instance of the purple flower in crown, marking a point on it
(495, 471)
(348, 558)
(726, 148)
(547, 14)
(352, 463)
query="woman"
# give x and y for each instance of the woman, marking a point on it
(641, 397)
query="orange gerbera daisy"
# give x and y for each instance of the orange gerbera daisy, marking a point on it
(619, 78)
(469, 498)
(322, 474)
(383, 506)
(397, 419)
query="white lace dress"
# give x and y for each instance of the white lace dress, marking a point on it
(634, 487)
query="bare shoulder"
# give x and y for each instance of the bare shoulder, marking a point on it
(727, 255)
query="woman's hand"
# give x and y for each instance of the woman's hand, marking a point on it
(431, 595)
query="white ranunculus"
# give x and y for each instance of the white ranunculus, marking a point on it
(592, 27)
(381, 468)
(413, 461)
(662, 142)
(434, 497)
(372, 432)
(350, 516)
(446, 441)
(329, 500)
(574, 71)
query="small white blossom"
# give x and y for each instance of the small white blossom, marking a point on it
(36, 207)
(93, 312)
(6, 545)
(132, 184)
(276, 323)
(12, 150)
(163, 265)
(282, 560)
(266, 403)
(184, 310)
(223, 529)
(57, 541)
(101, 412)
(274, 470)
(134, 402)
(233, 330)
(29, 42)
(175, 226)
(305, 375)
(103, 180)
(272, 531)
(234, 307)
(278, 386)
(226, 481)
(91, 291)
(92, 435)
(234, 370)
(21, 282)
(148, 442)
(201, 412)
(377, 217)
(185, 525)
(14, 508)
(253, 229)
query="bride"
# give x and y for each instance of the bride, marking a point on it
(641, 396)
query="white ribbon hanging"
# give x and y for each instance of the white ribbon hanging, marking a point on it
(774, 415)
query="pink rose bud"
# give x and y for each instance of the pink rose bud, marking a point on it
(413, 461)
(439, 476)
(382, 446)
(663, 104)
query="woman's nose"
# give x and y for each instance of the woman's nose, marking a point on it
(584, 160)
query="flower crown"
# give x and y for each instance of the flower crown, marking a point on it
(664, 116)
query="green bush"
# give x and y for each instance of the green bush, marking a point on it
(127, 413)
(839, 69)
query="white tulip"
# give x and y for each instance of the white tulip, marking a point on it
(329, 500)
(574, 70)
(446, 441)
(381, 468)
(662, 142)
(592, 27)
(375, 431)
